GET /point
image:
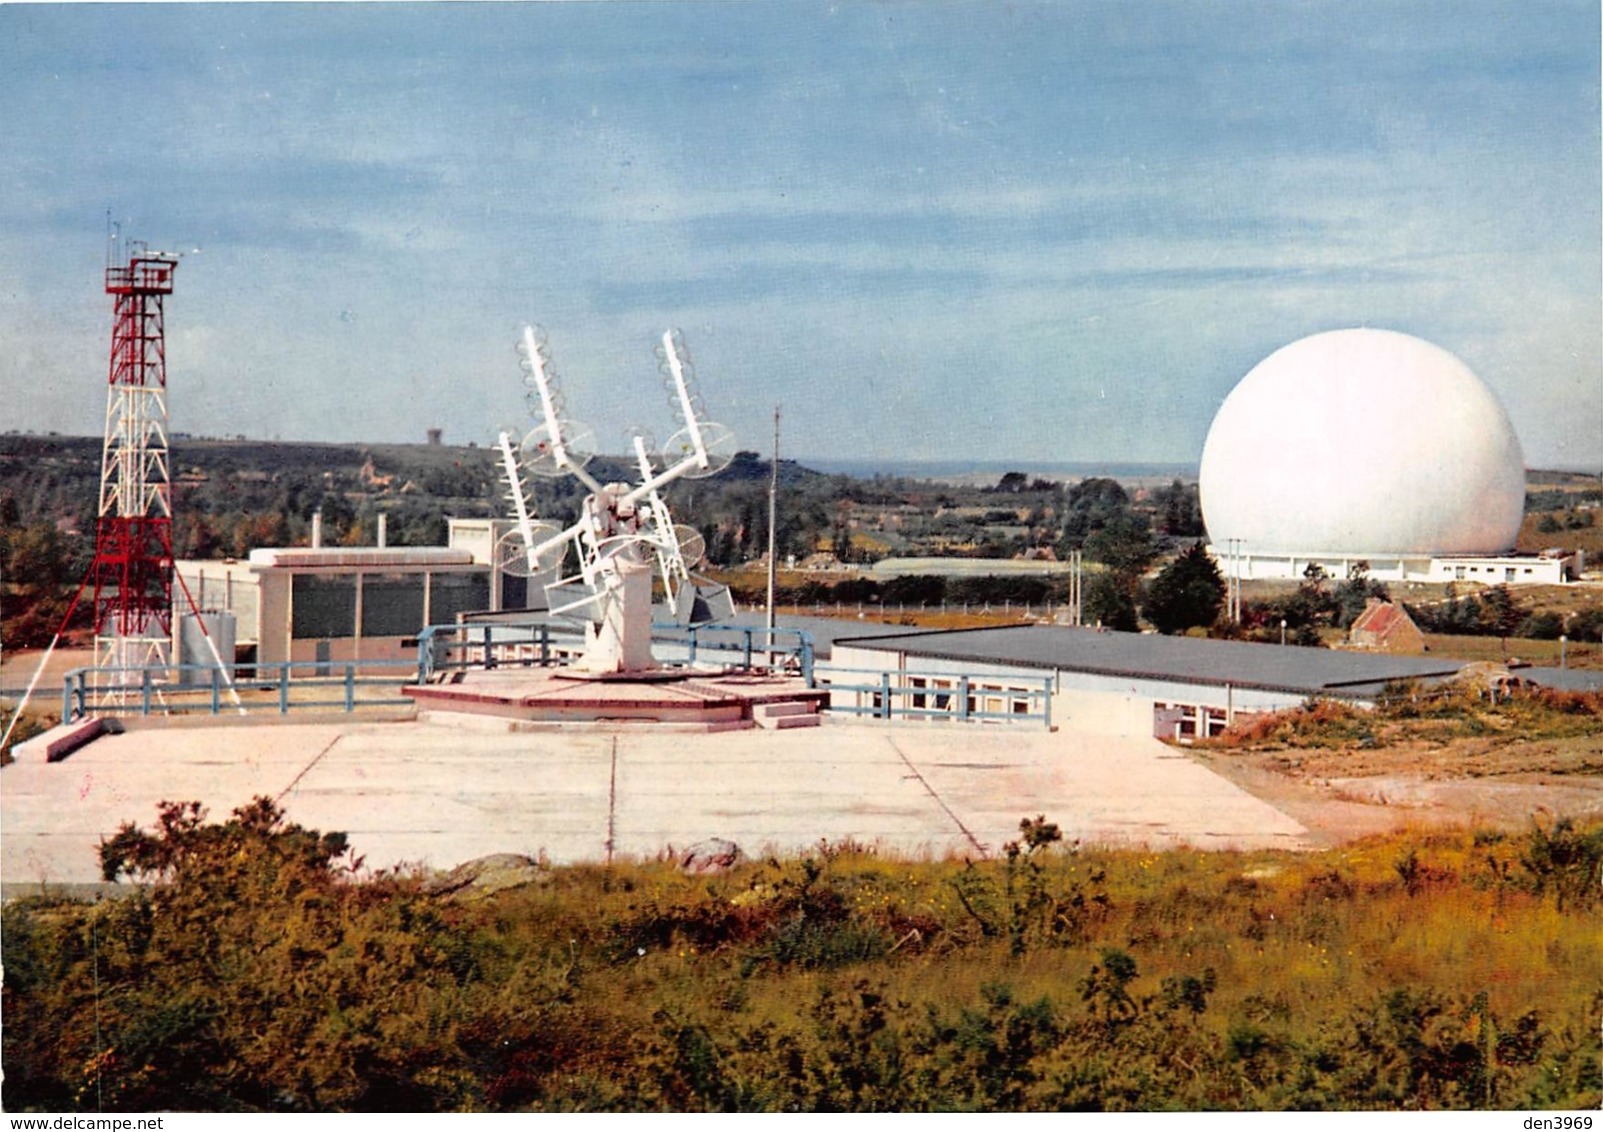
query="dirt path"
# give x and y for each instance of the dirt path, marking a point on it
(1341, 795)
(19, 666)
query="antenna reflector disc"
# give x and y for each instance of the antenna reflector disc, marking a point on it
(717, 440)
(692, 547)
(538, 452)
(512, 556)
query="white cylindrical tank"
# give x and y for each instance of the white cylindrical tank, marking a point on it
(1363, 442)
(193, 649)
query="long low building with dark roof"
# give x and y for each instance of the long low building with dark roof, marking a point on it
(1116, 683)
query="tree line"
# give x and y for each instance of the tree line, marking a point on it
(233, 497)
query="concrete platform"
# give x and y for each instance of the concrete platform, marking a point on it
(549, 695)
(436, 796)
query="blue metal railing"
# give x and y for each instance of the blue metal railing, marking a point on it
(882, 694)
(787, 649)
(447, 648)
(260, 688)
(346, 686)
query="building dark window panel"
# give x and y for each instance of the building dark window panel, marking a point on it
(514, 592)
(323, 606)
(458, 593)
(392, 605)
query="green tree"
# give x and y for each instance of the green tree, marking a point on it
(1089, 506)
(1501, 612)
(194, 536)
(1179, 510)
(1547, 625)
(1353, 594)
(840, 541)
(1586, 624)
(40, 568)
(1123, 544)
(1108, 603)
(1186, 593)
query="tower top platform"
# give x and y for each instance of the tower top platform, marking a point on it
(150, 273)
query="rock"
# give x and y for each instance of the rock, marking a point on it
(713, 855)
(495, 873)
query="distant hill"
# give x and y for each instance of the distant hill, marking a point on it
(988, 471)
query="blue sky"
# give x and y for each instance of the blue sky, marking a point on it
(962, 230)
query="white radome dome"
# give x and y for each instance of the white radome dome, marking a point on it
(1362, 442)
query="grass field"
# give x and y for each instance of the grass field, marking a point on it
(1502, 650)
(1589, 539)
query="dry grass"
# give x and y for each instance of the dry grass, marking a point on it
(1394, 973)
(1499, 650)
(1343, 772)
(1589, 539)
(1422, 716)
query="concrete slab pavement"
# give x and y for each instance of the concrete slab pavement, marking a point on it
(437, 794)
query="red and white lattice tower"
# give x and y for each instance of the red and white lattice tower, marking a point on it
(132, 571)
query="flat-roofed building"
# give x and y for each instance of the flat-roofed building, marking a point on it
(1549, 567)
(1180, 688)
(324, 605)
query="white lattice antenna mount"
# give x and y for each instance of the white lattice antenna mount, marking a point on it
(619, 524)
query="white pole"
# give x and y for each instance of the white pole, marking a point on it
(38, 672)
(773, 510)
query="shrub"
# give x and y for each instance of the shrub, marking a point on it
(1566, 861)
(257, 971)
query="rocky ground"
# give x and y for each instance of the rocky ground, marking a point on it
(1343, 794)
